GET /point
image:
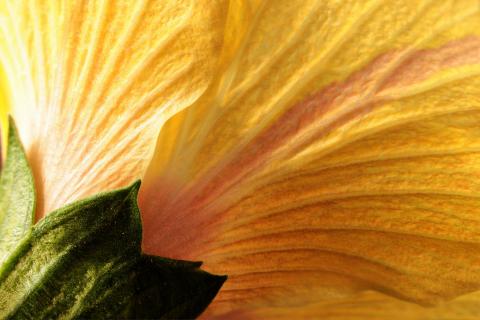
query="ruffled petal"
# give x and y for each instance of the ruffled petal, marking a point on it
(91, 83)
(337, 152)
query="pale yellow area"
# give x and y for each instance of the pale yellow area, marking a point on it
(92, 83)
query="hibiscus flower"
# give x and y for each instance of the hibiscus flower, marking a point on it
(321, 153)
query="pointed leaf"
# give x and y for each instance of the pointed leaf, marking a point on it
(156, 288)
(85, 261)
(17, 196)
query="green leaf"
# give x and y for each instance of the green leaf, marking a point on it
(85, 261)
(17, 196)
(159, 288)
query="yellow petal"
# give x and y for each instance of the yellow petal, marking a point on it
(91, 83)
(337, 152)
(368, 305)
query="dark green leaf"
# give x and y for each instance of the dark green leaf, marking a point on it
(158, 288)
(85, 261)
(17, 196)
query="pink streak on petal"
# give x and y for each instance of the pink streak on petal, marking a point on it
(181, 219)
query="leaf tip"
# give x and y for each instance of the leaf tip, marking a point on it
(12, 129)
(135, 186)
(221, 280)
(217, 282)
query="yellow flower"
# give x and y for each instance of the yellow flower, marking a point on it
(322, 153)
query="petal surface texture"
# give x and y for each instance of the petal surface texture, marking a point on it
(367, 305)
(336, 151)
(90, 84)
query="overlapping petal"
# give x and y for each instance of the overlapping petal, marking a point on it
(336, 152)
(90, 84)
(331, 147)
